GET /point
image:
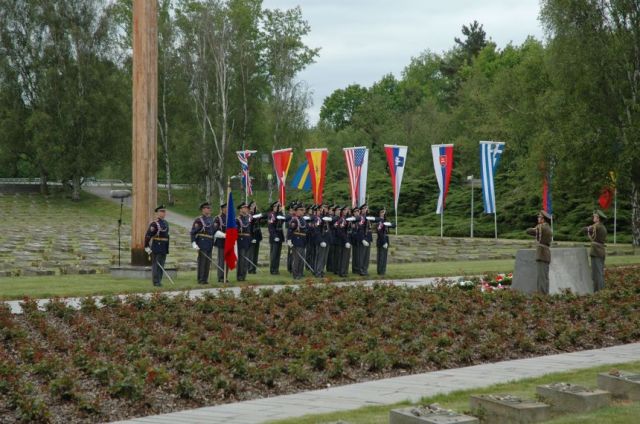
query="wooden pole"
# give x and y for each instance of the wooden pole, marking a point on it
(144, 115)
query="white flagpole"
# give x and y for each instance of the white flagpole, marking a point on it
(442, 224)
(495, 224)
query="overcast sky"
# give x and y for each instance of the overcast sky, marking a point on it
(361, 40)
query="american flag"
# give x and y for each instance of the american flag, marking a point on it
(243, 156)
(356, 160)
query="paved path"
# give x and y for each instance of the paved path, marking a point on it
(393, 390)
(75, 302)
(173, 217)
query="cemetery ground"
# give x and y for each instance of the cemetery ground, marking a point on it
(620, 412)
(51, 247)
(150, 355)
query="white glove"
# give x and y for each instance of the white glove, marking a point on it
(280, 217)
(195, 245)
(323, 244)
(385, 246)
(253, 241)
(276, 239)
(219, 234)
(371, 218)
(148, 250)
(306, 218)
(351, 219)
(326, 219)
(387, 224)
(347, 245)
(257, 216)
(365, 243)
(289, 243)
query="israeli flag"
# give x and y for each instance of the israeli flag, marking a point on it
(490, 153)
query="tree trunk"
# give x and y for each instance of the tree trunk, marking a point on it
(635, 213)
(75, 194)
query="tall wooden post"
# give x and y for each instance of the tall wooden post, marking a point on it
(145, 115)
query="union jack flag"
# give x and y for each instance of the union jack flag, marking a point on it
(243, 156)
(357, 165)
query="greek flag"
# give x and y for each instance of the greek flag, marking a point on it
(490, 153)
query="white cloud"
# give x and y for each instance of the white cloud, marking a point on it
(361, 40)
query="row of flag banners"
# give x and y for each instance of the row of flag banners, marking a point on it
(311, 173)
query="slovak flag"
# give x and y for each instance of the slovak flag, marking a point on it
(396, 158)
(442, 165)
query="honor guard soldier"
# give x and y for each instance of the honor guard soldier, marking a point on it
(310, 250)
(542, 233)
(368, 239)
(357, 238)
(256, 234)
(219, 234)
(156, 242)
(597, 233)
(324, 224)
(275, 220)
(244, 241)
(202, 233)
(342, 246)
(297, 239)
(382, 243)
(288, 218)
(332, 247)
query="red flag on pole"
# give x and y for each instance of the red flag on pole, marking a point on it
(281, 163)
(317, 160)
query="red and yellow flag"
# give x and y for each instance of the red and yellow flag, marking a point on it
(317, 159)
(281, 163)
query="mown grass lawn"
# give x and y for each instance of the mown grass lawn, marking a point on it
(620, 412)
(101, 284)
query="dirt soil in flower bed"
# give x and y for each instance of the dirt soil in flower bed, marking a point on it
(143, 357)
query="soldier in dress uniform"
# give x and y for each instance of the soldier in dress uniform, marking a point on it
(275, 221)
(382, 243)
(331, 259)
(219, 234)
(597, 233)
(343, 245)
(310, 250)
(357, 237)
(297, 239)
(324, 225)
(542, 233)
(244, 241)
(256, 234)
(288, 218)
(202, 240)
(367, 240)
(156, 242)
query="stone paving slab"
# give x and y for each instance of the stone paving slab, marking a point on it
(385, 392)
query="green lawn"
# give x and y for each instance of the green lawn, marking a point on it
(618, 413)
(87, 285)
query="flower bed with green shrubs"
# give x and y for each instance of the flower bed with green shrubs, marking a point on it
(149, 356)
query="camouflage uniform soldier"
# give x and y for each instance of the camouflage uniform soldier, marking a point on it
(597, 233)
(542, 233)
(156, 242)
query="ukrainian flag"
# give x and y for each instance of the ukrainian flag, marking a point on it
(302, 179)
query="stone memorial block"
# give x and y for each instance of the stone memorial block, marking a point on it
(431, 414)
(569, 269)
(509, 409)
(564, 397)
(620, 384)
